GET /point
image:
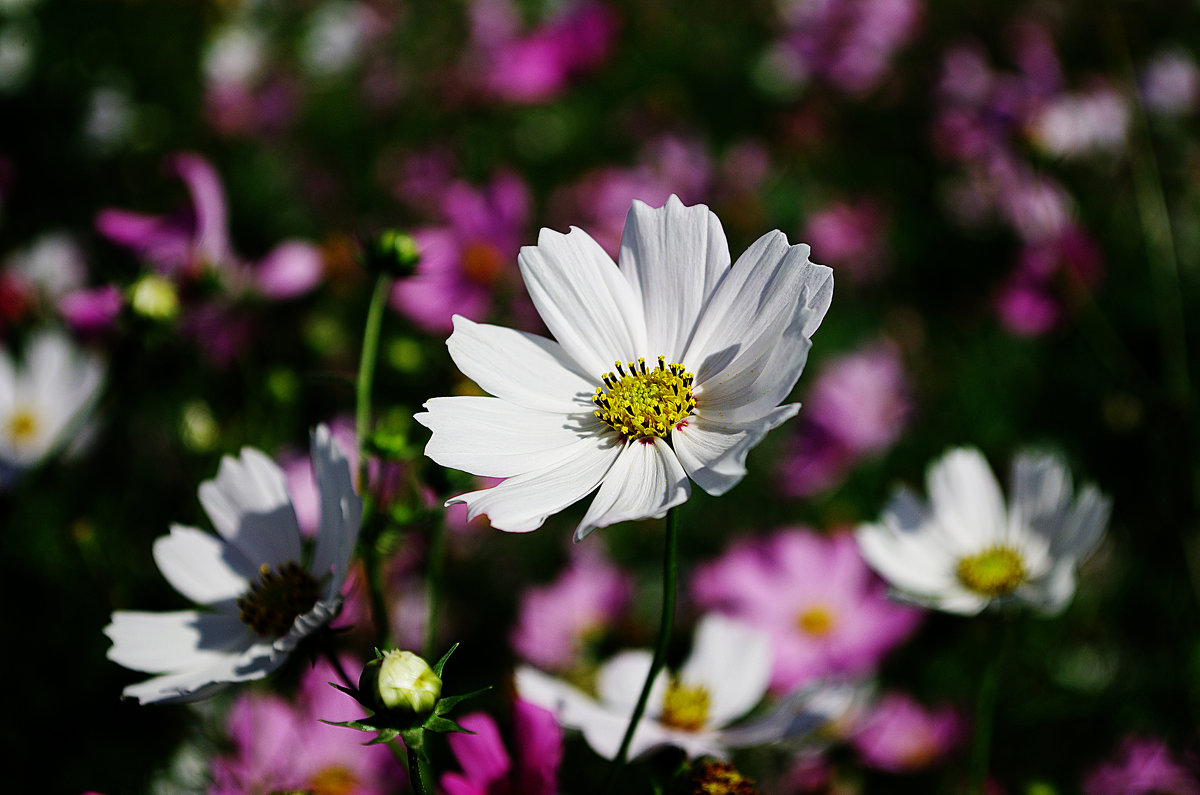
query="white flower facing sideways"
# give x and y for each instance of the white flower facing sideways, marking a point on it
(45, 399)
(967, 549)
(261, 599)
(726, 675)
(668, 366)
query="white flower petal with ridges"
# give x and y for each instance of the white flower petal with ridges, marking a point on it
(341, 510)
(522, 503)
(645, 480)
(522, 368)
(713, 452)
(201, 566)
(583, 299)
(732, 661)
(161, 642)
(674, 257)
(249, 505)
(494, 438)
(966, 500)
(619, 682)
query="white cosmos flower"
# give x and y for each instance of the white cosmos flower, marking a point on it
(726, 675)
(669, 366)
(45, 399)
(967, 549)
(260, 598)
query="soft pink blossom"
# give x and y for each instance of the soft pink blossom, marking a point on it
(487, 769)
(90, 311)
(1142, 766)
(826, 613)
(1170, 83)
(282, 745)
(899, 735)
(469, 258)
(556, 621)
(851, 238)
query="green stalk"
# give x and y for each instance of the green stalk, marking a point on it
(433, 576)
(985, 712)
(363, 427)
(417, 774)
(670, 574)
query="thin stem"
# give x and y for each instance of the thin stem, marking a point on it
(433, 578)
(363, 426)
(670, 574)
(417, 774)
(985, 711)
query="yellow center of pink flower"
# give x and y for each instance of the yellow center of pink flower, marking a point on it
(685, 708)
(271, 605)
(22, 427)
(997, 571)
(645, 401)
(333, 781)
(816, 621)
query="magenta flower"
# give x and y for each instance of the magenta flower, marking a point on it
(466, 260)
(555, 622)
(858, 408)
(824, 610)
(487, 769)
(283, 746)
(851, 235)
(899, 735)
(1143, 766)
(91, 311)
(195, 240)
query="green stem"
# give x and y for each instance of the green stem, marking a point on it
(411, 759)
(363, 427)
(985, 711)
(670, 574)
(433, 578)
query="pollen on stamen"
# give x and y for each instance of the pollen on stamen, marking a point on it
(643, 402)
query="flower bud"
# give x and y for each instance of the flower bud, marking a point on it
(401, 681)
(154, 297)
(392, 252)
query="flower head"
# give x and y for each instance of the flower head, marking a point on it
(968, 549)
(667, 367)
(262, 599)
(726, 675)
(44, 399)
(900, 735)
(1142, 766)
(401, 681)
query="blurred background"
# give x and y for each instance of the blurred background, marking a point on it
(1008, 192)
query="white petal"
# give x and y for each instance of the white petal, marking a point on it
(491, 437)
(341, 510)
(619, 683)
(523, 502)
(800, 713)
(202, 567)
(1041, 491)
(713, 451)
(674, 257)
(1084, 525)
(249, 505)
(158, 642)
(967, 500)
(1051, 594)
(522, 368)
(583, 299)
(571, 707)
(645, 481)
(906, 548)
(198, 683)
(732, 661)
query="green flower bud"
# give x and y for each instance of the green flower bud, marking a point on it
(394, 253)
(402, 682)
(154, 297)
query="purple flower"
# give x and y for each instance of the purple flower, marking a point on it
(280, 745)
(849, 236)
(487, 769)
(1170, 83)
(1142, 766)
(824, 610)
(556, 621)
(899, 735)
(464, 261)
(858, 407)
(91, 311)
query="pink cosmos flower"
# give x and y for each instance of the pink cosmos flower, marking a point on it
(195, 239)
(487, 769)
(899, 735)
(535, 66)
(859, 406)
(1143, 766)
(91, 311)
(825, 612)
(851, 235)
(466, 260)
(1170, 83)
(556, 621)
(280, 745)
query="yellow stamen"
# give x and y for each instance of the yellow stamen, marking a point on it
(645, 401)
(816, 621)
(994, 572)
(22, 427)
(685, 708)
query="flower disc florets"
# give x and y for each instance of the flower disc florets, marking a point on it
(685, 708)
(271, 605)
(994, 572)
(645, 401)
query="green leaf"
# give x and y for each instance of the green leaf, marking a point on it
(437, 667)
(448, 703)
(444, 726)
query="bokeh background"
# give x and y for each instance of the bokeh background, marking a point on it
(1008, 192)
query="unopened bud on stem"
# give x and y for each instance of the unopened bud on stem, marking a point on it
(402, 682)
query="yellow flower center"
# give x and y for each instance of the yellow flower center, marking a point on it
(645, 402)
(715, 777)
(482, 262)
(685, 708)
(333, 781)
(994, 572)
(271, 605)
(22, 427)
(816, 621)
